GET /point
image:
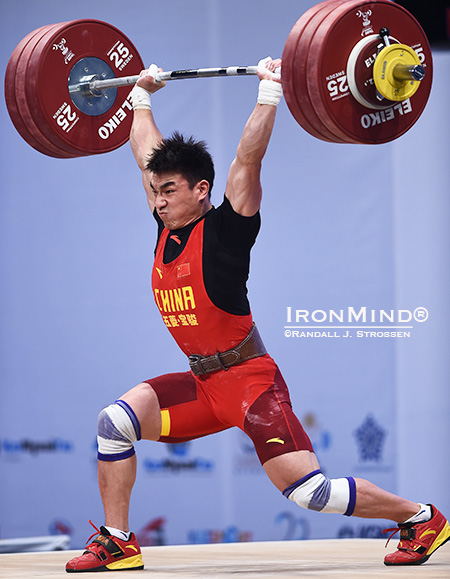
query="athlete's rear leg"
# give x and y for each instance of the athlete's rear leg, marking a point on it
(291, 474)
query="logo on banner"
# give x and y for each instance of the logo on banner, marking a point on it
(24, 446)
(370, 437)
(351, 322)
(180, 460)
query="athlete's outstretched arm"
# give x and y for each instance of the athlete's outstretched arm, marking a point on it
(244, 186)
(145, 135)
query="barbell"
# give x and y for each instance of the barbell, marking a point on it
(353, 71)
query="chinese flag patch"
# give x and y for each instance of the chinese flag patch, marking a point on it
(183, 270)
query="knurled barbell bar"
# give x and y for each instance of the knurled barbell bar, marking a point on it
(353, 71)
(94, 84)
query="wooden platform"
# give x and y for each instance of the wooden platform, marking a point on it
(349, 558)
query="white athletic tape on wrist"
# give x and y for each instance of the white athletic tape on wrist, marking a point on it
(269, 92)
(319, 493)
(118, 428)
(140, 98)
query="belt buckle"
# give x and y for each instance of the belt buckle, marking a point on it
(195, 363)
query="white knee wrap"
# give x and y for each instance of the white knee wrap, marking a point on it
(118, 428)
(319, 493)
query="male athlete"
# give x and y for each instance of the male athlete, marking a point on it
(199, 285)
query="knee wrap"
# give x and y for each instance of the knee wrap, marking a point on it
(118, 428)
(319, 493)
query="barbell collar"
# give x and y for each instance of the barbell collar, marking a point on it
(384, 35)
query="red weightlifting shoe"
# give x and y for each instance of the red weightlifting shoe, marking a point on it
(107, 553)
(418, 542)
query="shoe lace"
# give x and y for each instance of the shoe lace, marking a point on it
(407, 536)
(97, 532)
(393, 529)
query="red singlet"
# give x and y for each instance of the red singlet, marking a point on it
(252, 396)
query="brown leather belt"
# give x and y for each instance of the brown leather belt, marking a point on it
(251, 347)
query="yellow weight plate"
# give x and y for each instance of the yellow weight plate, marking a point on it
(388, 84)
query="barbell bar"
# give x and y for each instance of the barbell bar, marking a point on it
(91, 85)
(176, 74)
(66, 96)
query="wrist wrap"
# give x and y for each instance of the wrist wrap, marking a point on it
(270, 92)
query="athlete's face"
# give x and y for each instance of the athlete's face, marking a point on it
(176, 203)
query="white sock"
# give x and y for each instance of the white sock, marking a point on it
(119, 534)
(423, 515)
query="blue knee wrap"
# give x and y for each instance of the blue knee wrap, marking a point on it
(319, 493)
(118, 428)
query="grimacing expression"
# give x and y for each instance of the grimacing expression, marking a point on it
(176, 202)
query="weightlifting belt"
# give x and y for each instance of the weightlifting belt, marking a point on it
(251, 347)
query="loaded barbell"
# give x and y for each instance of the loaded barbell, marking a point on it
(353, 71)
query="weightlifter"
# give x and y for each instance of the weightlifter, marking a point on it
(199, 283)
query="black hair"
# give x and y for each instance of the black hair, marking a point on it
(183, 155)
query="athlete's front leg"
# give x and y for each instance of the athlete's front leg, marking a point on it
(116, 481)
(145, 404)
(135, 416)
